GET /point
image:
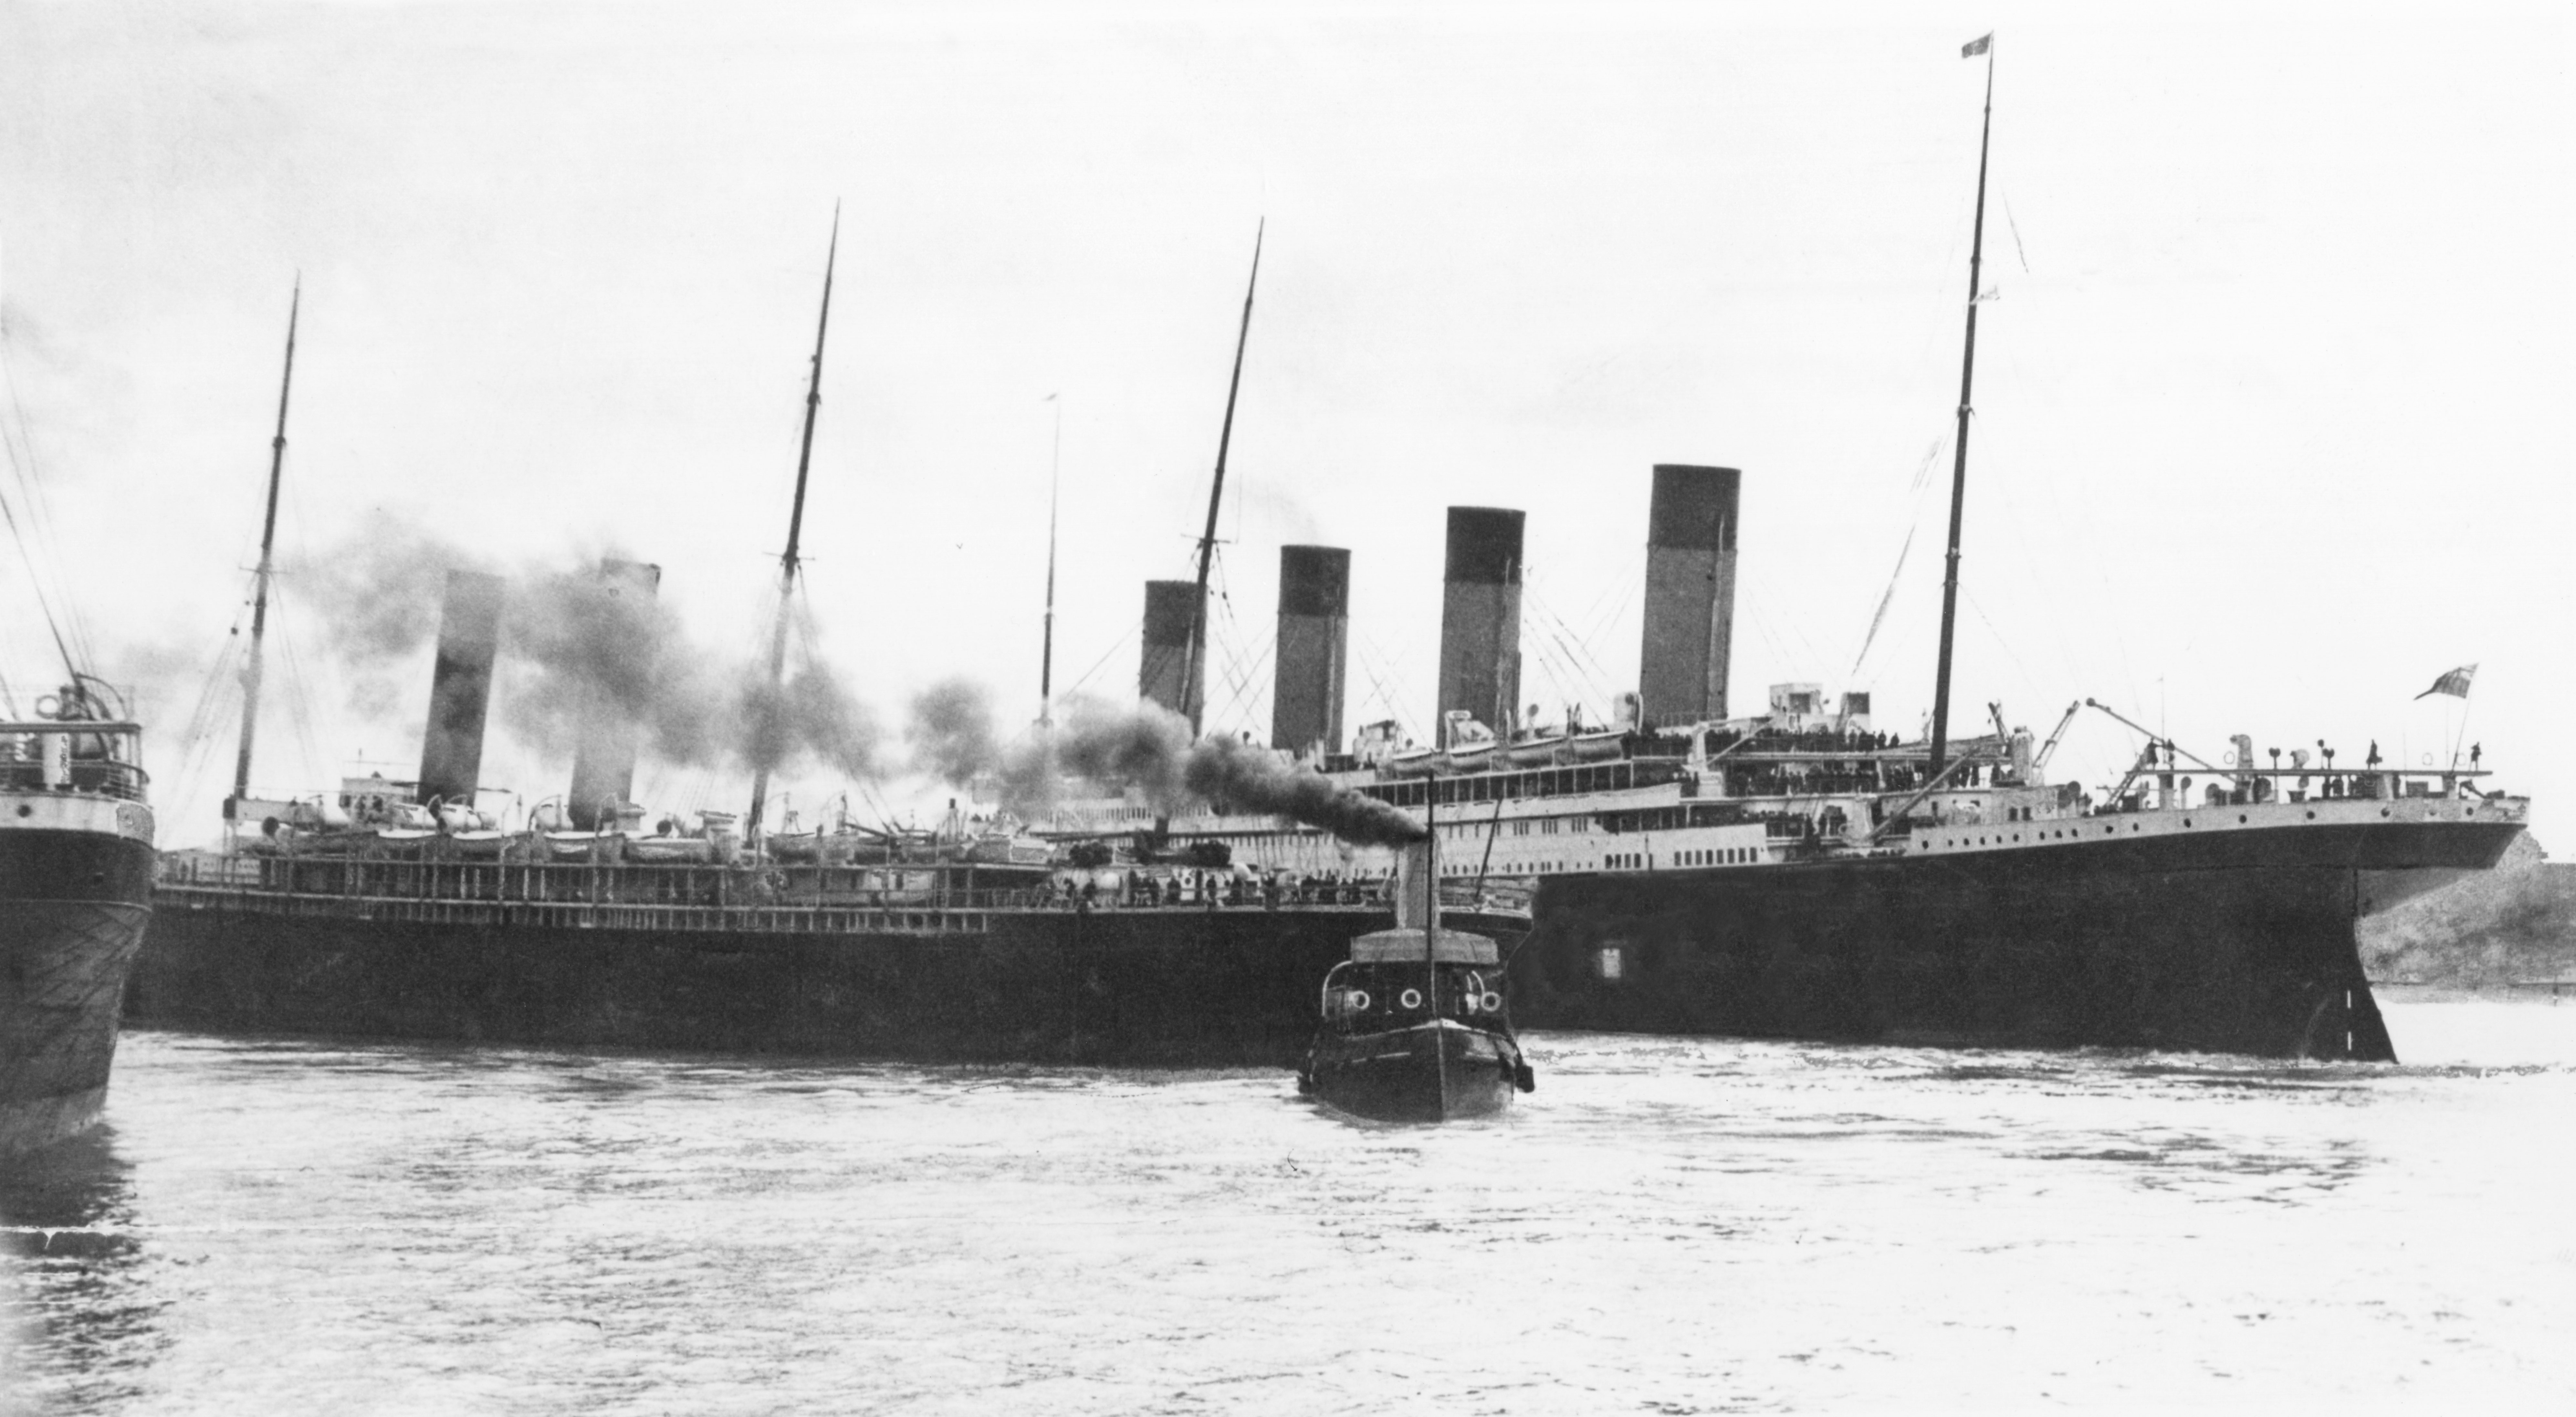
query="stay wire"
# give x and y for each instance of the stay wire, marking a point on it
(31, 478)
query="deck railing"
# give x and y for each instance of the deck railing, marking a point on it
(721, 886)
(95, 759)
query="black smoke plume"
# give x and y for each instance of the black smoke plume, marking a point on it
(577, 656)
(1245, 778)
(1149, 746)
(951, 731)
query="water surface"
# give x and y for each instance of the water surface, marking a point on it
(1666, 1226)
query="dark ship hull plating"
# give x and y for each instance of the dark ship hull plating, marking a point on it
(1178, 986)
(2227, 941)
(72, 910)
(1403, 1076)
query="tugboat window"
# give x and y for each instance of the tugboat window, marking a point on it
(1613, 961)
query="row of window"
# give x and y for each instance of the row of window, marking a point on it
(1715, 856)
(1709, 856)
(1554, 782)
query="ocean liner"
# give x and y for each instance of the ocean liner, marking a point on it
(1795, 874)
(395, 908)
(1789, 873)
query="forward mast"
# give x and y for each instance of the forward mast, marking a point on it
(1195, 652)
(788, 561)
(251, 672)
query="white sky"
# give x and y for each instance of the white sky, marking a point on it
(2273, 407)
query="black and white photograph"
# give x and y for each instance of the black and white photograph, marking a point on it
(1142, 707)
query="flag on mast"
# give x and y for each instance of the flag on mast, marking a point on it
(2455, 683)
(1977, 46)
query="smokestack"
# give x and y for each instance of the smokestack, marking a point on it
(1314, 635)
(1412, 903)
(460, 687)
(1690, 594)
(1480, 618)
(603, 766)
(1168, 618)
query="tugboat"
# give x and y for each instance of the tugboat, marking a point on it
(1415, 1026)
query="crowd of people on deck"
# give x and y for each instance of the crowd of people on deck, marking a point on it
(1085, 890)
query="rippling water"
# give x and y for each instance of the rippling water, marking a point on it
(1665, 1227)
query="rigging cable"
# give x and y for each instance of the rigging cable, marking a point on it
(1371, 656)
(71, 637)
(1580, 662)
(44, 603)
(1586, 689)
(1098, 664)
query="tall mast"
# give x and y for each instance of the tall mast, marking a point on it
(1959, 470)
(1046, 653)
(787, 563)
(267, 557)
(1196, 651)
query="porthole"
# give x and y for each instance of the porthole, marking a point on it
(2240, 819)
(2312, 816)
(2383, 811)
(2186, 821)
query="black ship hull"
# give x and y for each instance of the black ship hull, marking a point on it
(2236, 941)
(1418, 1074)
(1181, 986)
(73, 905)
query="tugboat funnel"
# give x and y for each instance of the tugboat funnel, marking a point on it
(1412, 868)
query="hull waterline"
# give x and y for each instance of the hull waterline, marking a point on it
(1177, 986)
(2236, 942)
(1419, 1074)
(72, 916)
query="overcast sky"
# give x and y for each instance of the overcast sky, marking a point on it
(2273, 393)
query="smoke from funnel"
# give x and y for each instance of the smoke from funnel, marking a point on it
(1149, 746)
(951, 731)
(577, 657)
(1243, 777)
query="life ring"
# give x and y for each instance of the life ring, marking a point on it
(1357, 1001)
(1493, 1002)
(1410, 998)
